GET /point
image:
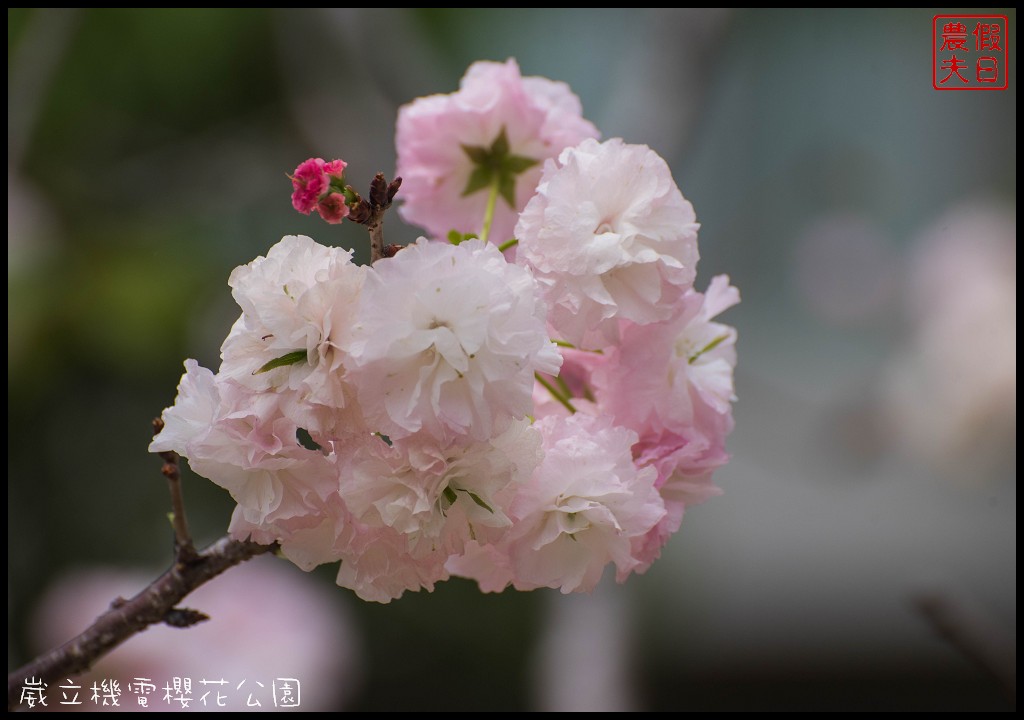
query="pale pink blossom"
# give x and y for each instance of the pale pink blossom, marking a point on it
(382, 564)
(447, 342)
(190, 420)
(298, 307)
(328, 536)
(584, 506)
(240, 440)
(450, 494)
(539, 117)
(652, 380)
(414, 419)
(672, 383)
(610, 238)
(486, 563)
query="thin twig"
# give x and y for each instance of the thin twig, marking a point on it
(184, 549)
(155, 604)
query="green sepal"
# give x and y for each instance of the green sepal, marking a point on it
(477, 153)
(496, 167)
(499, 148)
(520, 163)
(507, 188)
(479, 179)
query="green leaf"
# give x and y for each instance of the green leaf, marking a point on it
(476, 498)
(450, 495)
(292, 358)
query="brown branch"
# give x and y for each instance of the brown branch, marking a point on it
(155, 604)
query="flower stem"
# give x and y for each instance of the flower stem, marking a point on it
(507, 244)
(555, 394)
(492, 202)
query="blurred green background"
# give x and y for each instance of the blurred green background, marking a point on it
(147, 152)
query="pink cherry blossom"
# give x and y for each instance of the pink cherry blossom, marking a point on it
(447, 342)
(672, 383)
(414, 419)
(241, 441)
(299, 299)
(583, 508)
(539, 117)
(611, 238)
(382, 564)
(656, 380)
(449, 494)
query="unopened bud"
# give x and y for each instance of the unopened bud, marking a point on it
(379, 190)
(393, 188)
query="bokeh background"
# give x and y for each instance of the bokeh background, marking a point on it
(868, 219)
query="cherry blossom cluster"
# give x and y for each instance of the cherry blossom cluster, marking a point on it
(529, 394)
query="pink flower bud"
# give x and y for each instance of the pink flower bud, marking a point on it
(332, 207)
(335, 168)
(312, 182)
